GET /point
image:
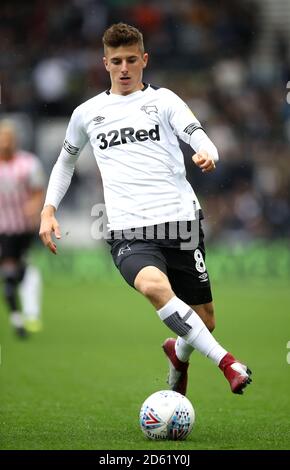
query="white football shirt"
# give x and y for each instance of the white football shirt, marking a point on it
(134, 140)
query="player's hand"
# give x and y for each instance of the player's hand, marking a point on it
(48, 225)
(204, 161)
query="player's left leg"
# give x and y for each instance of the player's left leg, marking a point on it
(206, 313)
(190, 281)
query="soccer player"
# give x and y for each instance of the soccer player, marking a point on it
(133, 129)
(21, 199)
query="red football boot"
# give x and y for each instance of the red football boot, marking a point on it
(177, 377)
(238, 374)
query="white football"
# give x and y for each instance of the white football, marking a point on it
(167, 415)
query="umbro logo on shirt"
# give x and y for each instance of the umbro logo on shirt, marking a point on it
(98, 119)
(149, 109)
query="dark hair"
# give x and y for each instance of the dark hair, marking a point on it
(122, 34)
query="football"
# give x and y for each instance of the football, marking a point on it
(167, 415)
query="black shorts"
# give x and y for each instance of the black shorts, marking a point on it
(15, 245)
(185, 269)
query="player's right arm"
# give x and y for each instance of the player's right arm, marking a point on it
(49, 225)
(60, 179)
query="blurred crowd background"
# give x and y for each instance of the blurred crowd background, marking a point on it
(229, 60)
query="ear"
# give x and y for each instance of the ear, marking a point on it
(145, 60)
(106, 64)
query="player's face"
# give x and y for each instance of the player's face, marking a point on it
(125, 65)
(7, 142)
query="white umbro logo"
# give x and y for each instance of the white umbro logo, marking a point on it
(98, 119)
(124, 249)
(203, 277)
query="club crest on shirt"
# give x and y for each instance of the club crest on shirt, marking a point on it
(148, 109)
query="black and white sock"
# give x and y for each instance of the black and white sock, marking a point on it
(187, 324)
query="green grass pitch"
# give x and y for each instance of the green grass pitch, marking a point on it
(80, 383)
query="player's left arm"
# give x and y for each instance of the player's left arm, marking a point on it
(206, 152)
(187, 127)
(204, 160)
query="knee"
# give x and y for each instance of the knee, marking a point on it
(155, 288)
